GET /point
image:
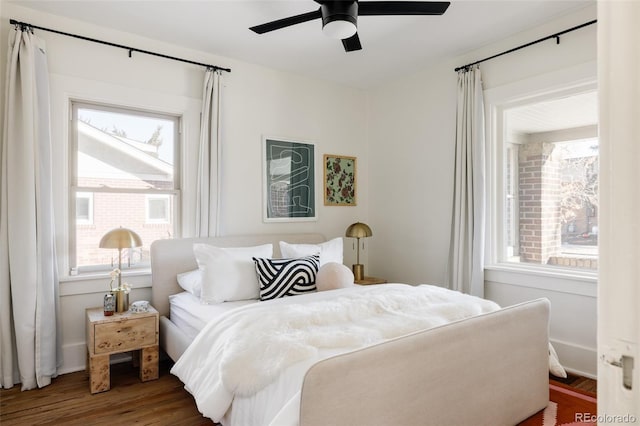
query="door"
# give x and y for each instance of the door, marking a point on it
(619, 280)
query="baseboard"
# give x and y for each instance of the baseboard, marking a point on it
(577, 359)
(581, 373)
(75, 358)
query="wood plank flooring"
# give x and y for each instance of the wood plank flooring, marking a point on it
(67, 401)
(578, 382)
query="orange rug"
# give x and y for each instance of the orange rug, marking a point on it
(567, 407)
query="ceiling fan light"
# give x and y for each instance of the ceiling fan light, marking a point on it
(339, 18)
(339, 29)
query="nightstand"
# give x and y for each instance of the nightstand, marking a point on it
(370, 281)
(120, 332)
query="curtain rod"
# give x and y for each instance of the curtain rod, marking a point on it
(130, 49)
(556, 36)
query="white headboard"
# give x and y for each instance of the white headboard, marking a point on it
(174, 256)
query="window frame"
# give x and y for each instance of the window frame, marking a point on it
(74, 188)
(546, 87)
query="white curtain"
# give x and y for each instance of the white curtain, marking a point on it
(29, 343)
(208, 181)
(466, 253)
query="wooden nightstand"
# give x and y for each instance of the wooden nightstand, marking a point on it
(371, 280)
(118, 333)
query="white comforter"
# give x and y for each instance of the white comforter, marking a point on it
(257, 355)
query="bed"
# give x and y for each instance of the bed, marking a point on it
(490, 368)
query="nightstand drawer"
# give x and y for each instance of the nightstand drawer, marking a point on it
(125, 335)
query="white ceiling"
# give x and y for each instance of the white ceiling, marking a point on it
(565, 113)
(392, 45)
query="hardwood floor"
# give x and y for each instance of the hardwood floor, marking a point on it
(159, 402)
(578, 382)
(67, 401)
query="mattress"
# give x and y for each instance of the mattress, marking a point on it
(190, 315)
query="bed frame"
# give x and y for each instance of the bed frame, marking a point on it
(487, 370)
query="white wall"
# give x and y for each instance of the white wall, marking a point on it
(257, 101)
(412, 130)
(412, 134)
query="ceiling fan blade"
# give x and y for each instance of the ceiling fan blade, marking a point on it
(372, 8)
(352, 43)
(286, 22)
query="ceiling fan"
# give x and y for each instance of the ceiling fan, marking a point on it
(340, 18)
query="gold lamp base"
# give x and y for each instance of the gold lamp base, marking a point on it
(358, 271)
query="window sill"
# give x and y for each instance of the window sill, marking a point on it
(103, 275)
(560, 280)
(92, 283)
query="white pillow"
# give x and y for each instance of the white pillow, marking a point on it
(228, 274)
(334, 275)
(191, 281)
(555, 367)
(330, 251)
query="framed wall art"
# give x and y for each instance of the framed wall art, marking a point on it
(289, 184)
(339, 180)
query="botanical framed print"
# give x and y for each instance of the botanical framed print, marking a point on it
(339, 180)
(289, 185)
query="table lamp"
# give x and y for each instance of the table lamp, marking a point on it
(358, 230)
(120, 238)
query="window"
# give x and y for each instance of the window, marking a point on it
(84, 208)
(158, 209)
(123, 173)
(548, 207)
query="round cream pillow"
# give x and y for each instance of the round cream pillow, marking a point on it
(332, 276)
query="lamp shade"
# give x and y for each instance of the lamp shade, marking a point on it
(358, 230)
(120, 238)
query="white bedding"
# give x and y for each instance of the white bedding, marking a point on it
(190, 315)
(256, 356)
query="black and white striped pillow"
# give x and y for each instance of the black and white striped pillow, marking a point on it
(286, 277)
